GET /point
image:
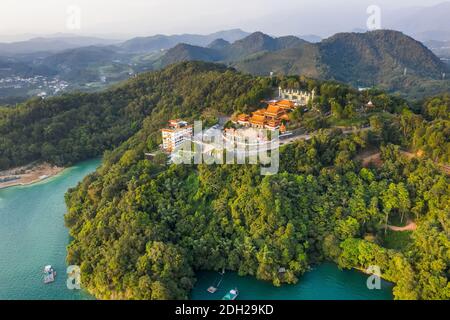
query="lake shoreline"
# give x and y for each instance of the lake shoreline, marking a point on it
(33, 234)
(28, 175)
(325, 281)
(25, 212)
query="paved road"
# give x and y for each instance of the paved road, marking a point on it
(267, 146)
(308, 136)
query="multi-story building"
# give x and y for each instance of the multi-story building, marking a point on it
(175, 135)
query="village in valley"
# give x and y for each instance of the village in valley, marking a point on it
(41, 86)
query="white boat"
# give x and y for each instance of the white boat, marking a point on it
(49, 274)
(232, 295)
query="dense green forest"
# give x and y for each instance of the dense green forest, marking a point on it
(141, 228)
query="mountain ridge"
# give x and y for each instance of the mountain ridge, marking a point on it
(164, 42)
(51, 44)
(385, 57)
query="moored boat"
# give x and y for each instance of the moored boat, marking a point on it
(49, 274)
(231, 295)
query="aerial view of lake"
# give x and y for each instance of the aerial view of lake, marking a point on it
(32, 235)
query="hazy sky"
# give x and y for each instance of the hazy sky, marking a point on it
(146, 17)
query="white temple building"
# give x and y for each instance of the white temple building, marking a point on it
(301, 98)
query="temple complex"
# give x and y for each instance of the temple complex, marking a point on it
(270, 118)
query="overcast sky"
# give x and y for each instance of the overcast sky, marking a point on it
(147, 17)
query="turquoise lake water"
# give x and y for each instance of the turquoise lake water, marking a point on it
(325, 282)
(32, 235)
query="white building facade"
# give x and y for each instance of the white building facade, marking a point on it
(301, 98)
(175, 135)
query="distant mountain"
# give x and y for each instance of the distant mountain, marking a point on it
(387, 58)
(378, 57)
(56, 44)
(220, 50)
(187, 52)
(10, 67)
(229, 35)
(88, 64)
(219, 44)
(257, 43)
(302, 59)
(82, 57)
(149, 44)
(59, 43)
(163, 42)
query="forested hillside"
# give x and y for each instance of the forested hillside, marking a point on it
(78, 126)
(379, 56)
(141, 229)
